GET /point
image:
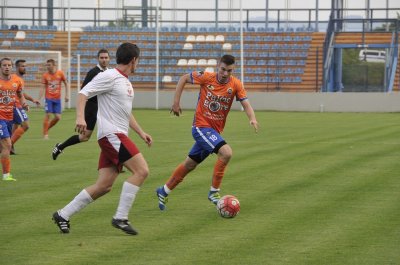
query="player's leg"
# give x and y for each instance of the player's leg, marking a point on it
(108, 172)
(5, 143)
(20, 117)
(199, 152)
(224, 155)
(48, 108)
(213, 142)
(55, 120)
(90, 118)
(134, 161)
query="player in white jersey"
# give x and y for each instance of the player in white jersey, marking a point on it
(115, 95)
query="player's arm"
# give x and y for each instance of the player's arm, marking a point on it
(176, 108)
(42, 92)
(66, 91)
(134, 125)
(31, 99)
(80, 124)
(248, 109)
(22, 100)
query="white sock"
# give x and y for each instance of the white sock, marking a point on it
(213, 189)
(126, 200)
(167, 190)
(78, 203)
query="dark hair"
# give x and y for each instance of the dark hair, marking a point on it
(102, 51)
(51, 61)
(228, 59)
(17, 62)
(126, 52)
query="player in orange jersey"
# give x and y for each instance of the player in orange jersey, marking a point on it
(52, 80)
(217, 92)
(20, 121)
(10, 89)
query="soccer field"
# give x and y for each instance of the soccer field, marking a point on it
(314, 188)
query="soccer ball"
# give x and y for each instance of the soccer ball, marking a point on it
(228, 206)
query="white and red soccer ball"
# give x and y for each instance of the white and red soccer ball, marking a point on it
(228, 206)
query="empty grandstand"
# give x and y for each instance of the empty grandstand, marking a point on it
(284, 49)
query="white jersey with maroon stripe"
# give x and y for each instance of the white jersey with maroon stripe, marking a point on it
(115, 96)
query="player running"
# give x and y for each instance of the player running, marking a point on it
(51, 81)
(20, 121)
(10, 89)
(217, 92)
(115, 95)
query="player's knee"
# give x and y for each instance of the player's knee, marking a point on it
(225, 153)
(143, 172)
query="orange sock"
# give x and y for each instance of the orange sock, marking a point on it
(46, 126)
(219, 170)
(53, 122)
(177, 176)
(17, 134)
(6, 164)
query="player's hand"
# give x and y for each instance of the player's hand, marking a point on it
(80, 126)
(25, 107)
(37, 102)
(254, 123)
(176, 109)
(147, 139)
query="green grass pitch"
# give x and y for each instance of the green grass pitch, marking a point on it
(314, 188)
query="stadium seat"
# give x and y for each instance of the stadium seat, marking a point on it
(209, 69)
(182, 62)
(190, 38)
(20, 35)
(167, 78)
(192, 62)
(200, 38)
(212, 62)
(220, 38)
(6, 43)
(227, 46)
(210, 38)
(188, 46)
(202, 62)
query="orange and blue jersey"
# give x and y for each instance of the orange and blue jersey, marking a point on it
(215, 99)
(17, 102)
(8, 95)
(53, 84)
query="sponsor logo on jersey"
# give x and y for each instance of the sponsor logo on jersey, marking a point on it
(210, 87)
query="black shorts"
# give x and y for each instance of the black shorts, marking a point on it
(91, 115)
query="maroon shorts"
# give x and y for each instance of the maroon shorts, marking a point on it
(115, 150)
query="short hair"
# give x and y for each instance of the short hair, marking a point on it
(51, 61)
(126, 52)
(102, 51)
(5, 59)
(227, 59)
(17, 62)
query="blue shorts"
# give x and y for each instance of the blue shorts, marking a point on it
(5, 129)
(53, 106)
(207, 140)
(20, 115)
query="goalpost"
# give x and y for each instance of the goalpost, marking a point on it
(35, 67)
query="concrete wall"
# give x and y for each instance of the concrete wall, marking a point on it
(280, 101)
